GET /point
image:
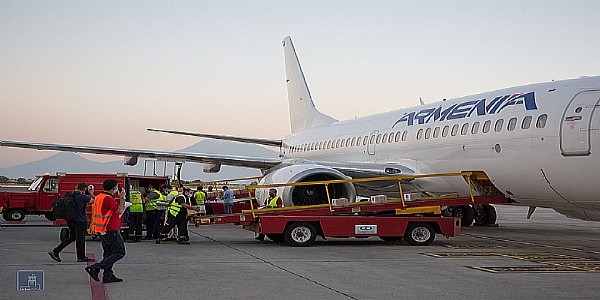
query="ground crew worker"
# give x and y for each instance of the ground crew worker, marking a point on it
(177, 216)
(106, 221)
(273, 201)
(200, 196)
(136, 214)
(171, 195)
(227, 200)
(152, 213)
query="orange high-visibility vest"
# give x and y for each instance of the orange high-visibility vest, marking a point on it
(100, 221)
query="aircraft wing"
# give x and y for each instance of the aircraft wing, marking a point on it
(133, 154)
(266, 142)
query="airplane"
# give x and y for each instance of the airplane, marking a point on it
(535, 144)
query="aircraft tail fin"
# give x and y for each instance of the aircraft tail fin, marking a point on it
(303, 113)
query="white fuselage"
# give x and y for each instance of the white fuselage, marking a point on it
(541, 155)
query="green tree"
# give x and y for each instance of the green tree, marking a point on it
(3, 179)
(21, 180)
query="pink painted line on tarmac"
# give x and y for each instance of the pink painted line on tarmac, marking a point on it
(98, 288)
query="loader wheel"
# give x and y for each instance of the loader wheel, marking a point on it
(300, 234)
(419, 234)
(14, 215)
(64, 234)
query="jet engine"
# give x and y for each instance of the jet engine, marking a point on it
(307, 194)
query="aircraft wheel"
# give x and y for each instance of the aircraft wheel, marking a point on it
(64, 234)
(465, 213)
(300, 234)
(14, 215)
(419, 234)
(485, 214)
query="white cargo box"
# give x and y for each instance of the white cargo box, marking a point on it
(412, 196)
(378, 199)
(339, 202)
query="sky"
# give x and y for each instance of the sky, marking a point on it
(102, 72)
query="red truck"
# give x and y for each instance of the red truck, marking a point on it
(45, 188)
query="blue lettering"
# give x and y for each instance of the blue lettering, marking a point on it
(468, 108)
(461, 110)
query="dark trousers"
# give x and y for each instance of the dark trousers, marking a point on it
(161, 215)
(114, 250)
(152, 218)
(77, 232)
(181, 224)
(135, 225)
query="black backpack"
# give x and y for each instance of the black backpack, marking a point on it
(64, 207)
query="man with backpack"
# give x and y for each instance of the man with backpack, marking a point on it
(78, 225)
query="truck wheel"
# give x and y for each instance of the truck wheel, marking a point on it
(15, 215)
(64, 234)
(276, 237)
(465, 213)
(300, 234)
(5, 215)
(50, 216)
(419, 234)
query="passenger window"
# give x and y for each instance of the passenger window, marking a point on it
(358, 141)
(436, 132)
(404, 135)
(512, 123)
(312, 146)
(541, 121)
(454, 130)
(419, 134)
(486, 126)
(526, 123)
(378, 139)
(348, 142)
(498, 125)
(352, 142)
(391, 137)
(384, 138)
(397, 137)
(445, 131)
(427, 133)
(372, 140)
(365, 139)
(475, 128)
(464, 129)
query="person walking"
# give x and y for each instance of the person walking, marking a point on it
(227, 200)
(106, 221)
(77, 226)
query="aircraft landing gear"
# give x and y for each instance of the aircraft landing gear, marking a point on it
(465, 213)
(485, 215)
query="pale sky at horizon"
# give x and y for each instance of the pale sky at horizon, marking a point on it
(101, 72)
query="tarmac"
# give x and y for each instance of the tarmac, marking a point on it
(547, 257)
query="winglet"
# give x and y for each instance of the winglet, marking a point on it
(303, 113)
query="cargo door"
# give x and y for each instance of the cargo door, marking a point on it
(576, 124)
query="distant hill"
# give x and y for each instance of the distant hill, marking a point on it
(73, 163)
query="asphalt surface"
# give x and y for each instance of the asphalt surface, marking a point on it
(546, 257)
